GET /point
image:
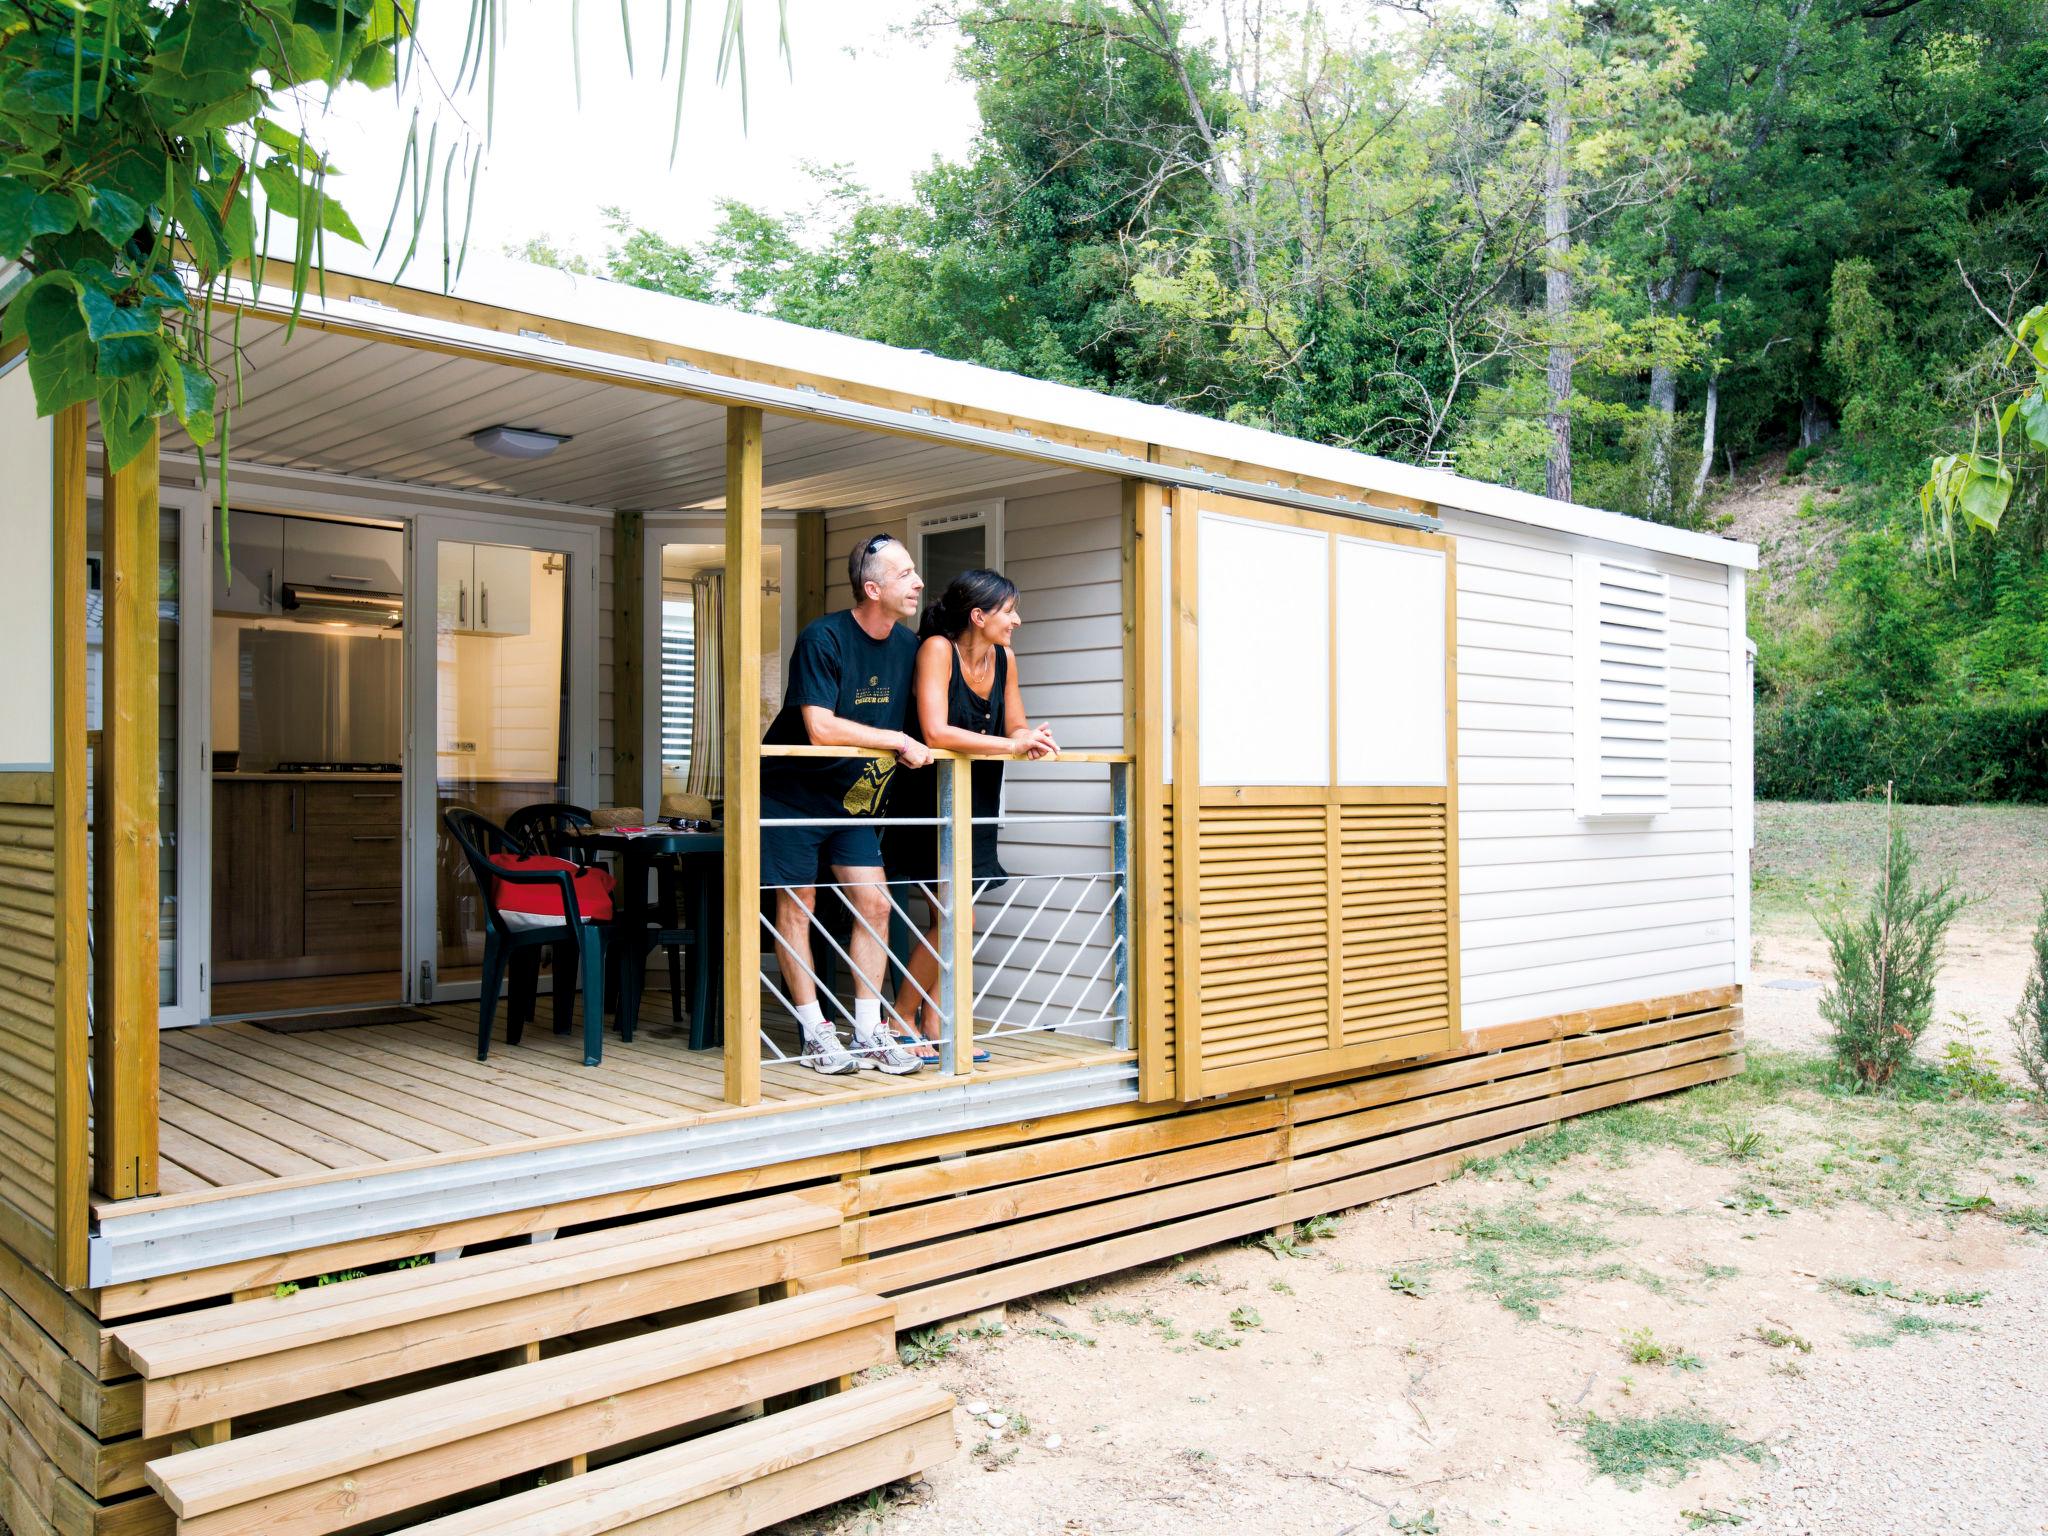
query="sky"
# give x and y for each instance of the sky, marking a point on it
(856, 89)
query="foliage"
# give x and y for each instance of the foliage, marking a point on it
(136, 134)
(2030, 1019)
(1885, 961)
(1978, 486)
(1937, 754)
(1664, 1446)
(147, 147)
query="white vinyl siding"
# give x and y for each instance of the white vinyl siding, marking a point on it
(1621, 611)
(1557, 912)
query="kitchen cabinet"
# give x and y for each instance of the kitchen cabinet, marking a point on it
(484, 589)
(344, 556)
(248, 574)
(308, 877)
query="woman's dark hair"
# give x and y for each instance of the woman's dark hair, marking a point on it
(954, 610)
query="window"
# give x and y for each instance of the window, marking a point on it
(950, 541)
(1621, 687)
(678, 677)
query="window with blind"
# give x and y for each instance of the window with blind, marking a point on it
(1621, 695)
(678, 678)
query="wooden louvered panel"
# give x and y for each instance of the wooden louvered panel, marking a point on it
(1163, 939)
(1266, 919)
(1397, 943)
(29, 1151)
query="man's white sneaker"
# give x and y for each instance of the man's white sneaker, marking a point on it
(824, 1053)
(877, 1051)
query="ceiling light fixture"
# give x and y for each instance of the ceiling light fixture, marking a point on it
(518, 442)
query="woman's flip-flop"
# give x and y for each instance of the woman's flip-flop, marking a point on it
(919, 1044)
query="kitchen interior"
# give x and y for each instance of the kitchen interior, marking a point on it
(308, 753)
(309, 748)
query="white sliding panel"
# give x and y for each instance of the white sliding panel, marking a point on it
(1264, 667)
(1390, 664)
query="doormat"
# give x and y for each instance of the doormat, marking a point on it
(343, 1018)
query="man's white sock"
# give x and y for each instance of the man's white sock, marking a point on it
(867, 1014)
(810, 1016)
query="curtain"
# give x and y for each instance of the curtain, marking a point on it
(707, 714)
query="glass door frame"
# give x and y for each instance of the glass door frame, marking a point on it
(657, 532)
(193, 827)
(426, 531)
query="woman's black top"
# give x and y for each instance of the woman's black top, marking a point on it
(912, 853)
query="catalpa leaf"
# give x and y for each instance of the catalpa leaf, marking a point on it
(27, 211)
(2033, 415)
(115, 216)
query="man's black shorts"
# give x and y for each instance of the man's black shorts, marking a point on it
(799, 855)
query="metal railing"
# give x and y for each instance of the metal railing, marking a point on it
(1049, 954)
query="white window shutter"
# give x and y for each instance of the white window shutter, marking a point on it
(1621, 698)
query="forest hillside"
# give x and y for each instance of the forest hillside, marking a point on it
(1740, 265)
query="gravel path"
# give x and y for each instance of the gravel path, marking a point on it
(1945, 1433)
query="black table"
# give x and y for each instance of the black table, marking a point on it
(700, 857)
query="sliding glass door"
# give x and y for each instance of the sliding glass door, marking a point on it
(504, 685)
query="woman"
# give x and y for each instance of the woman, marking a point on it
(965, 699)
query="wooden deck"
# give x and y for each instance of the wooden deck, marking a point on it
(246, 1106)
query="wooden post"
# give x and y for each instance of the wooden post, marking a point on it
(960, 873)
(1145, 554)
(69, 781)
(125, 841)
(742, 679)
(629, 710)
(1187, 805)
(810, 567)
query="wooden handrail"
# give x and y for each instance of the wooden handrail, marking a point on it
(938, 754)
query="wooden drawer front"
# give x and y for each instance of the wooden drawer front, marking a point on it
(359, 924)
(354, 807)
(340, 859)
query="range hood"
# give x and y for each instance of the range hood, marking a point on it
(317, 602)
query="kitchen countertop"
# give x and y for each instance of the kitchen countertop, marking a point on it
(308, 778)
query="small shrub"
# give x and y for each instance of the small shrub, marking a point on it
(2030, 1023)
(1643, 1348)
(926, 1347)
(1407, 1285)
(1885, 963)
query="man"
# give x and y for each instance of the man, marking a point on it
(849, 686)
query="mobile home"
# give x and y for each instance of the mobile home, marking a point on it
(1400, 817)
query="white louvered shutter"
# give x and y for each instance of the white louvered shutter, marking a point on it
(678, 679)
(1621, 699)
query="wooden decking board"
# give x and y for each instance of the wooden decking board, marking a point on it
(308, 1078)
(244, 1106)
(332, 1060)
(359, 1136)
(432, 1080)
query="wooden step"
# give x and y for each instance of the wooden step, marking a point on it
(739, 1479)
(221, 1362)
(367, 1462)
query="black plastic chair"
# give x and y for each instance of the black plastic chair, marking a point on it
(540, 828)
(483, 845)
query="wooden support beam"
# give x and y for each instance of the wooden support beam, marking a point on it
(810, 567)
(960, 900)
(628, 666)
(125, 841)
(742, 679)
(1144, 571)
(1187, 803)
(68, 785)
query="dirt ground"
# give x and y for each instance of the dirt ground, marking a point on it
(1764, 1305)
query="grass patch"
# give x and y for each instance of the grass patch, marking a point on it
(1817, 1141)
(1664, 1446)
(1904, 1326)
(2028, 1218)
(1519, 1257)
(1644, 1348)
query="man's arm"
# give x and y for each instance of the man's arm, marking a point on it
(829, 730)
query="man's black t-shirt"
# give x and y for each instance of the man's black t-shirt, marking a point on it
(837, 666)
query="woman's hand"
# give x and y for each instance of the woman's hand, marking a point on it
(1035, 742)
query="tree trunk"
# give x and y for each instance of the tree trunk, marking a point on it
(1557, 282)
(1713, 410)
(1814, 425)
(1660, 494)
(1711, 415)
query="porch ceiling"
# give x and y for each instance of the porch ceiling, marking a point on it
(377, 411)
